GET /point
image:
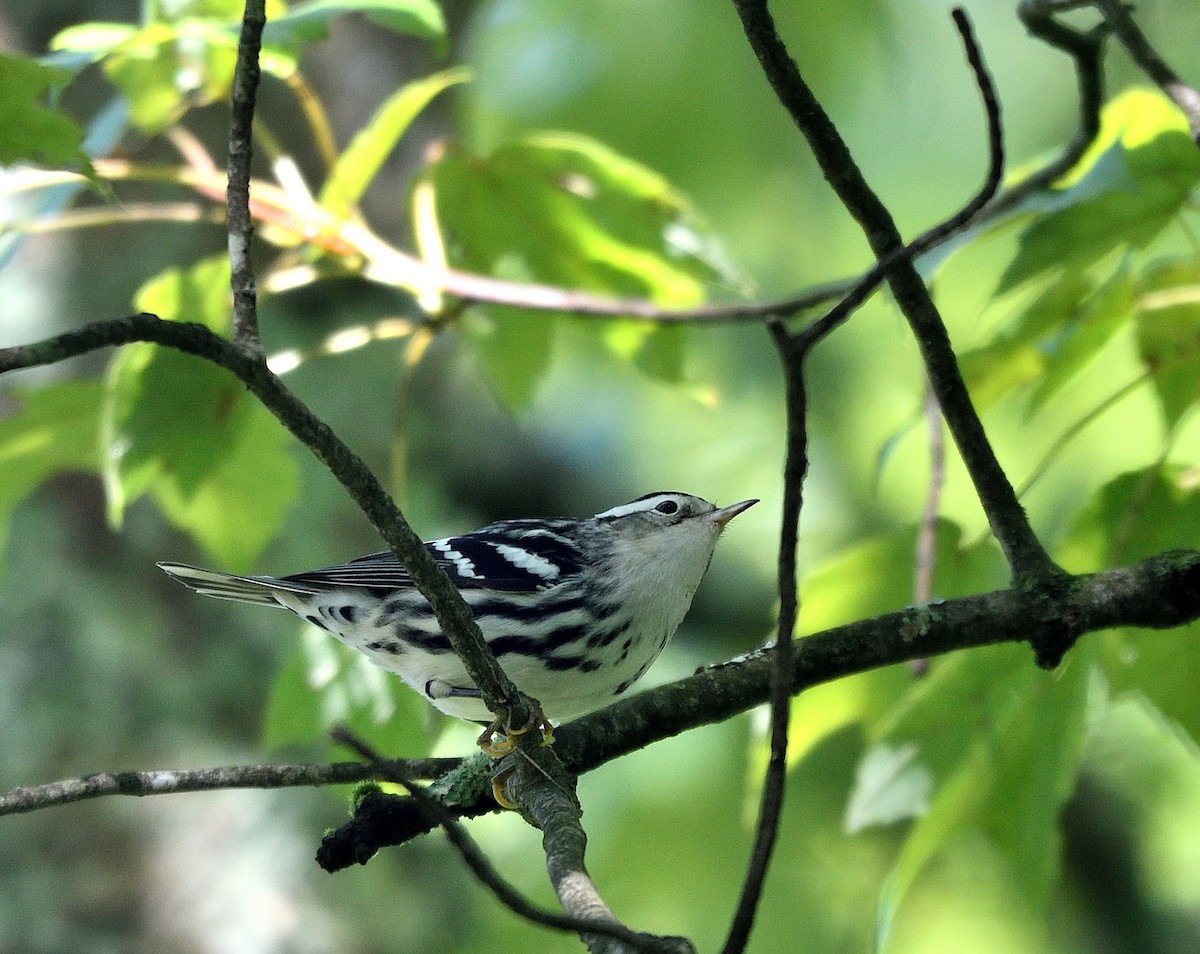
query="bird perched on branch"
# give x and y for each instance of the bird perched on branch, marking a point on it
(574, 610)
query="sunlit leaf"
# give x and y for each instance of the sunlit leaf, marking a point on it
(30, 131)
(187, 431)
(1101, 317)
(999, 742)
(310, 21)
(567, 211)
(1135, 516)
(358, 165)
(53, 429)
(1127, 188)
(1168, 335)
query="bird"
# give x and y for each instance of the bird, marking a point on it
(575, 610)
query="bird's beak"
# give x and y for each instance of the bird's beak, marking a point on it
(725, 514)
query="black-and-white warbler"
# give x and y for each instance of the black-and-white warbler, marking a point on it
(575, 610)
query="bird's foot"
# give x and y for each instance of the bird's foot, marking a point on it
(499, 740)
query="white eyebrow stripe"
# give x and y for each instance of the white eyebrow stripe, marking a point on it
(637, 506)
(530, 562)
(462, 564)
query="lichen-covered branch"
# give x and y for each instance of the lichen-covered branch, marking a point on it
(1161, 592)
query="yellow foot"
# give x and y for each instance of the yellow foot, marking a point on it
(499, 790)
(498, 740)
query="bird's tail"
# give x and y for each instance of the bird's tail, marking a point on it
(228, 586)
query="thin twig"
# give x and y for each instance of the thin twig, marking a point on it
(169, 781)
(483, 869)
(939, 233)
(544, 793)
(1027, 558)
(775, 777)
(237, 194)
(1116, 14)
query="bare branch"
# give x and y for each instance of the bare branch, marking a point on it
(545, 794)
(169, 781)
(1116, 13)
(1158, 593)
(862, 289)
(1026, 556)
(775, 778)
(237, 195)
(608, 928)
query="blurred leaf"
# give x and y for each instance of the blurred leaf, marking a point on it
(568, 211)
(188, 432)
(1133, 517)
(1001, 741)
(1101, 317)
(1016, 356)
(359, 163)
(1147, 774)
(1125, 190)
(53, 430)
(515, 348)
(866, 580)
(29, 130)
(325, 684)
(1168, 334)
(310, 21)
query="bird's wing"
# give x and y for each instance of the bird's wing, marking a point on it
(514, 556)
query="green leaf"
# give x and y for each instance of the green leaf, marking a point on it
(1132, 517)
(187, 432)
(359, 163)
(310, 21)
(866, 580)
(515, 348)
(29, 130)
(567, 211)
(1101, 317)
(54, 429)
(998, 742)
(1168, 334)
(166, 68)
(1127, 188)
(325, 684)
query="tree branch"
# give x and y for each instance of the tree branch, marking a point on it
(1158, 593)
(544, 792)
(1116, 14)
(237, 192)
(1027, 558)
(169, 781)
(609, 929)
(452, 613)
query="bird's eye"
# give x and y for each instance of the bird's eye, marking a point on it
(667, 506)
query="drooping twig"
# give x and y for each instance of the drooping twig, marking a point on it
(237, 193)
(1116, 14)
(775, 777)
(608, 928)
(1161, 592)
(544, 793)
(1026, 556)
(169, 781)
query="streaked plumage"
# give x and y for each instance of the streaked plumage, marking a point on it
(575, 610)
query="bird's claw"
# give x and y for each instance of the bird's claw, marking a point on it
(499, 740)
